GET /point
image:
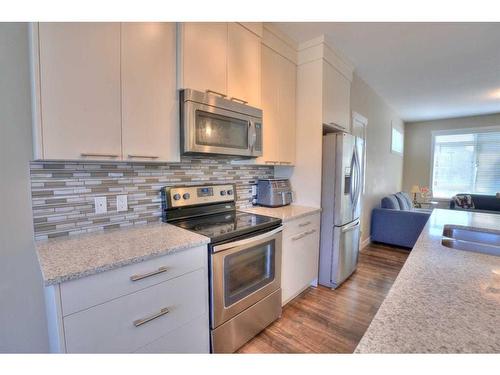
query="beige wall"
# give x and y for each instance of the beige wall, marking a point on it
(384, 169)
(418, 138)
(22, 314)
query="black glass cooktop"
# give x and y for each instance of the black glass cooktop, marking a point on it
(228, 225)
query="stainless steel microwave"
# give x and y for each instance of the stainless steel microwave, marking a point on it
(213, 124)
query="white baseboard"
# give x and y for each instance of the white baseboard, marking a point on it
(365, 243)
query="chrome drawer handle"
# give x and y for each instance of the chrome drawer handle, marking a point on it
(305, 224)
(234, 99)
(143, 156)
(216, 93)
(302, 235)
(96, 154)
(152, 273)
(140, 322)
(271, 162)
(298, 237)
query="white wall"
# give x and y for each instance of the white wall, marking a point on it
(384, 170)
(22, 314)
(418, 139)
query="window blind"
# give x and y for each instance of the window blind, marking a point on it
(467, 162)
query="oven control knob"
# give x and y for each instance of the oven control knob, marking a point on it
(222, 192)
(177, 197)
(186, 196)
(229, 192)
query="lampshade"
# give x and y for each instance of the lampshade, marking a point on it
(415, 189)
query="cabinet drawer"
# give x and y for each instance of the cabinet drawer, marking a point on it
(192, 337)
(96, 289)
(301, 225)
(113, 326)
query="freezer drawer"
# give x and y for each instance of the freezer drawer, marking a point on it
(345, 252)
(339, 253)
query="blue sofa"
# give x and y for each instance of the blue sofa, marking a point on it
(482, 203)
(397, 222)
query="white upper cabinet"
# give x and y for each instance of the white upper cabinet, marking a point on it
(336, 98)
(270, 82)
(79, 91)
(287, 109)
(278, 103)
(149, 95)
(243, 65)
(221, 57)
(105, 91)
(203, 56)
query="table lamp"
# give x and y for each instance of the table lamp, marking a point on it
(415, 189)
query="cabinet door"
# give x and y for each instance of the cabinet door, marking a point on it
(287, 107)
(336, 98)
(243, 65)
(299, 263)
(270, 82)
(204, 56)
(80, 90)
(149, 97)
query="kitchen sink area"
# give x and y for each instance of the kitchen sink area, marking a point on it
(479, 240)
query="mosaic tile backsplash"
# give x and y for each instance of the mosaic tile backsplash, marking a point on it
(63, 192)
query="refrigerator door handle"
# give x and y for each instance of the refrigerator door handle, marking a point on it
(350, 227)
(358, 179)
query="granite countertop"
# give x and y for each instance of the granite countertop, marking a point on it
(285, 213)
(443, 300)
(68, 258)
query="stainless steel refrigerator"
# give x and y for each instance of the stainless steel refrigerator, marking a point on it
(342, 183)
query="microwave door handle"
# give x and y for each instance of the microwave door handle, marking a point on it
(253, 135)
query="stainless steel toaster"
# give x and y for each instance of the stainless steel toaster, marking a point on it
(274, 192)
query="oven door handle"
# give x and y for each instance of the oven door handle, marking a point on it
(247, 241)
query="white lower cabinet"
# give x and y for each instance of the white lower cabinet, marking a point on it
(300, 256)
(169, 314)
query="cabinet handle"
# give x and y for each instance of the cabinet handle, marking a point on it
(271, 162)
(140, 322)
(239, 100)
(152, 273)
(95, 154)
(216, 93)
(302, 235)
(305, 224)
(286, 162)
(298, 237)
(143, 156)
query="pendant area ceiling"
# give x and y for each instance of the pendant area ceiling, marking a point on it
(423, 71)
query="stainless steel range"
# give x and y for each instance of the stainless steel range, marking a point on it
(245, 260)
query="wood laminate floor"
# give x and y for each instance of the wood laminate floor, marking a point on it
(322, 320)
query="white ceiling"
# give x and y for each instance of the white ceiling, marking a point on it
(423, 70)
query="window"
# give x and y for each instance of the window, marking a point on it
(397, 141)
(466, 161)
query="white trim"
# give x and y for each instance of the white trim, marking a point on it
(36, 95)
(321, 49)
(434, 133)
(366, 243)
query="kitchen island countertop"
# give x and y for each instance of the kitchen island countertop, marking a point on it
(443, 300)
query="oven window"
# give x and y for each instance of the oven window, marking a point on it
(247, 271)
(221, 131)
